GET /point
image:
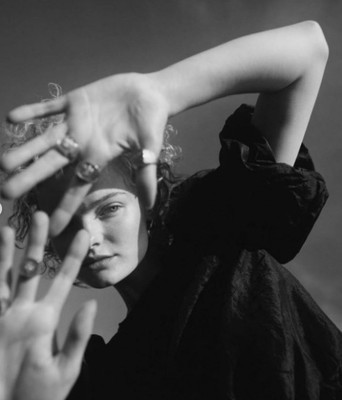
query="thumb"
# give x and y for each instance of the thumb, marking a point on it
(146, 181)
(150, 142)
(77, 338)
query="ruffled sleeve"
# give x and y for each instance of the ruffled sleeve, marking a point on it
(249, 200)
(282, 202)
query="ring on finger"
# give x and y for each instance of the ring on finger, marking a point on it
(87, 172)
(68, 147)
(146, 157)
(4, 304)
(29, 268)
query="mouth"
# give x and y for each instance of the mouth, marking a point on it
(98, 263)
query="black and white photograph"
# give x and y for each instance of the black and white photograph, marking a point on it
(171, 200)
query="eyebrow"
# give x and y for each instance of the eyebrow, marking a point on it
(85, 208)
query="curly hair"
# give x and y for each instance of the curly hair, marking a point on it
(25, 206)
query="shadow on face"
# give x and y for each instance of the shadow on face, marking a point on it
(112, 214)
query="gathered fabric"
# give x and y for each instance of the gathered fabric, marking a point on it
(225, 319)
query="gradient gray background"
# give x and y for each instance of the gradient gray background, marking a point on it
(77, 41)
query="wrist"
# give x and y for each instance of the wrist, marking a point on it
(167, 86)
(150, 89)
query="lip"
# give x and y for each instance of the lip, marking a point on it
(98, 262)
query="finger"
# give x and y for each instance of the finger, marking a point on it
(146, 175)
(85, 174)
(34, 147)
(150, 139)
(26, 286)
(77, 338)
(67, 274)
(7, 239)
(146, 181)
(69, 204)
(44, 167)
(36, 110)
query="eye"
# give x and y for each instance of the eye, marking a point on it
(109, 210)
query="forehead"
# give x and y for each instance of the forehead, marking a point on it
(111, 184)
(113, 177)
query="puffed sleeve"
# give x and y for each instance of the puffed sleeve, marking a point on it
(249, 199)
(281, 203)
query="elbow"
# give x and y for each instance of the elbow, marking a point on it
(318, 48)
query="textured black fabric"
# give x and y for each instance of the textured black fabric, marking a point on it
(224, 320)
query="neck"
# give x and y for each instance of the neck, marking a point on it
(133, 286)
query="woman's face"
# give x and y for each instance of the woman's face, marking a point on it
(115, 220)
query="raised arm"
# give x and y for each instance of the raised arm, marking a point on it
(284, 65)
(123, 111)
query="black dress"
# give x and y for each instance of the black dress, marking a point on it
(224, 320)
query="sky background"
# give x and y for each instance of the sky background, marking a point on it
(73, 42)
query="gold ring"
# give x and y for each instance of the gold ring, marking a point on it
(68, 147)
(29, 268)
(146, 157)
(87, 171)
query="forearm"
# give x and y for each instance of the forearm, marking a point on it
(264, 62)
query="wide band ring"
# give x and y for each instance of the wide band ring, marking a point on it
(29, 268)
(146, 157)
(68, 147)
(87, 171)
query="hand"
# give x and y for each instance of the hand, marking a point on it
(31, 367)
(106, 117)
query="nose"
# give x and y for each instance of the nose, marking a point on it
(94, 228)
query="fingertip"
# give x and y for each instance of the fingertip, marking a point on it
(8, 118)
(58, 221)
(67, 207)
(9, 191)
(7, 234)
(83, 236)
(40, 217)
(40, 223)
(80, 244)
(17, 115)
(53, 230)
(11, 117)
(5, 162)
(146, 181)
(147, 197)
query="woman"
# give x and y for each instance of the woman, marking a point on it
(212, 314)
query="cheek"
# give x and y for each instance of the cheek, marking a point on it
(130, 225)
(130, 234)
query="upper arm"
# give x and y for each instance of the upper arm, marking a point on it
(282, 116)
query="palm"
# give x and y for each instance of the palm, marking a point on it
(116, 113)
(27, 331)
(33, 368)
(105, 118)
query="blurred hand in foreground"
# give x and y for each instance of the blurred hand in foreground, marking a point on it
(32, 367)
(102, 120)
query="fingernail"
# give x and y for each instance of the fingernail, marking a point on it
(4, 304)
